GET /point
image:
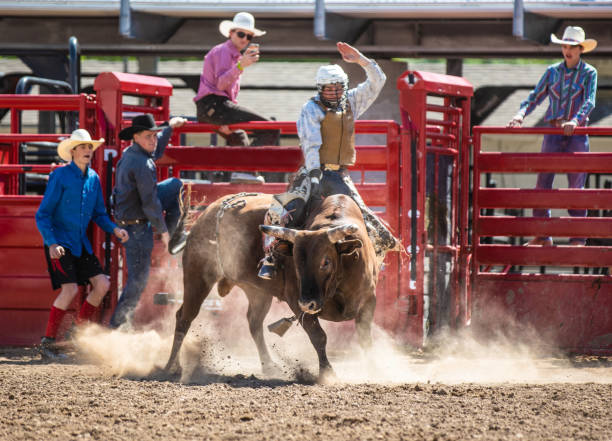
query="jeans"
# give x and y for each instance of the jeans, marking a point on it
(138, 251)
(563, 144)
(168, 193)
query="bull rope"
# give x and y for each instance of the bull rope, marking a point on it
(226, 204)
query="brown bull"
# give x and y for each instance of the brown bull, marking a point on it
(331, 274)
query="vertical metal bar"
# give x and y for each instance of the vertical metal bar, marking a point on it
(125, 19)
(475, 205)
(319, 19)
(518, 19)
(74, 65)
(107, 236)
(433, 208)
(13, 187)
(413, 204)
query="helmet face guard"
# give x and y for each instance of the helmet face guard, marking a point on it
(328, 75)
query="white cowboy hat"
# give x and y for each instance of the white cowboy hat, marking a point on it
(79, 136)
(242, 20)
(574, 36)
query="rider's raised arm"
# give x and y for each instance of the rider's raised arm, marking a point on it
(362, 96)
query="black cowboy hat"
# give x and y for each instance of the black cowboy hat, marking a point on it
(139, 123)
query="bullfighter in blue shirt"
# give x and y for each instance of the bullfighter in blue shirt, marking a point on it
(140, 202)
(72, 199)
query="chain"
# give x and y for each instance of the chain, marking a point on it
(227, 204)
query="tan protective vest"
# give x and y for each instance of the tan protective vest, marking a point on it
(338, 135)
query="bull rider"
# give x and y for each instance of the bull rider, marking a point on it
(326, 128)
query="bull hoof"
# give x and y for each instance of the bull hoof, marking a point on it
(172, 372)
(327, 376)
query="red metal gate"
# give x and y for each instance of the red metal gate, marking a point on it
(571, 311)
(435, 112)
(26, 294)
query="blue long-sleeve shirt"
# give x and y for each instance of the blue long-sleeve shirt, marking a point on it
(135, 190)
(72, 199)
(570, 92)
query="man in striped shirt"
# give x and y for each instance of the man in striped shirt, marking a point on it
(570, 87)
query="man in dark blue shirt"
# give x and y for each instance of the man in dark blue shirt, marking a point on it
(72, 199)
(140, 202)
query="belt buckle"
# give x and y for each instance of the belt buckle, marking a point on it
(333, 167)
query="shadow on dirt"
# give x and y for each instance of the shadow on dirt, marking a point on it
(201, 377)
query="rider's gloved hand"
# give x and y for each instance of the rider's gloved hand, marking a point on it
(315, 183)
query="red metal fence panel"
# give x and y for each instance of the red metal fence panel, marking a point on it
(570, 311)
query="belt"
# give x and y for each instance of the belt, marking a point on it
(132, 222)
(333, 167)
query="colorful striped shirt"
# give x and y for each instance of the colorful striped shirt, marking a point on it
(571, 93)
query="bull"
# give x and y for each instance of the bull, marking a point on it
(329, 271)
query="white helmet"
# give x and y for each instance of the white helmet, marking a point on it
(332, 74)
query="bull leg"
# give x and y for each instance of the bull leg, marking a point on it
(259, 305)
(363, 323)
(196, 289)
(180, 331)
(318, 338)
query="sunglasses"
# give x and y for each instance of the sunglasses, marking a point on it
(244, 34)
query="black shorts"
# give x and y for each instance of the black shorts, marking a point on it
(72, 269)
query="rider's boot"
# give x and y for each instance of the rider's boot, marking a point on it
(267, 265)
(382, 240)
(267, 268)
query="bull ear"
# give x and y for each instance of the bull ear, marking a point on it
(285, 249)
(287, 234)
(348, 246)
(340, 232)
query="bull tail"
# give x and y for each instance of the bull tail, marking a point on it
(224, 287)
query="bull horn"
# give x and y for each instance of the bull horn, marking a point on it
(283, 233)
(340, 232)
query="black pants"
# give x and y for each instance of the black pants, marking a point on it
(220, 110)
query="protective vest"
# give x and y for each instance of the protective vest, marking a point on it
(338, 135)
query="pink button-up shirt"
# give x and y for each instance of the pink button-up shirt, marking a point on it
(220, 75)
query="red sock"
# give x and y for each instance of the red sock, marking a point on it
(55, 318)
(87, 310)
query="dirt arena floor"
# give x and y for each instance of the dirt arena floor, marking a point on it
(109, 390)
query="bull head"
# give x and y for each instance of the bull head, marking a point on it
(317, 256)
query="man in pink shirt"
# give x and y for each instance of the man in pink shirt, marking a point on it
(220, 83)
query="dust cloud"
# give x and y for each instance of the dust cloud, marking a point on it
(219, 343)
(123, 353)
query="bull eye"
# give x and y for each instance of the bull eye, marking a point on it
(325, 263)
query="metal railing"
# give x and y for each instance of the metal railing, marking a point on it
(486, 225)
